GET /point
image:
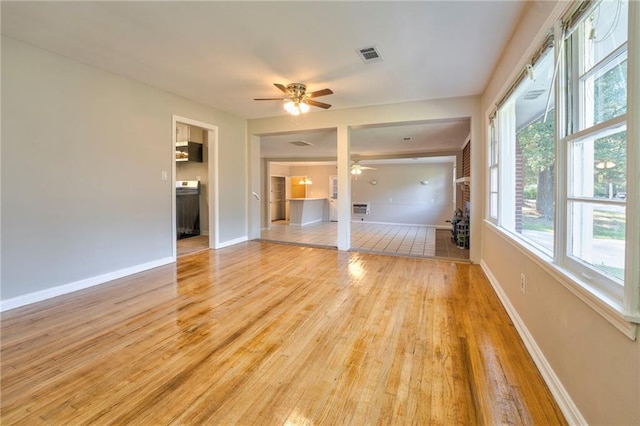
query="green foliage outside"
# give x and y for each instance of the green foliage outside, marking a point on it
(537, 142)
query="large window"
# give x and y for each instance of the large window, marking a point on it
(527, 145)
(557, 150)
(596, 140)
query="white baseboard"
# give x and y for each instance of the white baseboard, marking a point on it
(231, 242)
(562, 397)
(307, 223)
(38, 296)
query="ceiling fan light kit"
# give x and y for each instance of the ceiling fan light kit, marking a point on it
(298, 100)
(356, 168)
(296, 108)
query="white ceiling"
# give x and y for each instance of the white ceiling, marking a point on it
(224, 54)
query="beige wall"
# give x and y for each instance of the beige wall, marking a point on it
(597, 365)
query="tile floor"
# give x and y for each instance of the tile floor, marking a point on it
(403, 240)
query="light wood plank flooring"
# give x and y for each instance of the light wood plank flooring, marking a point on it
(192, 244)
(271, 334)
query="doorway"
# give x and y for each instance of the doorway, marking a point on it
(277, 199)
(195, 166)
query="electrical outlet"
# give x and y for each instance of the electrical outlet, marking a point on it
(523, 284)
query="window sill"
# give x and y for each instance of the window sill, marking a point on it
(611, 310)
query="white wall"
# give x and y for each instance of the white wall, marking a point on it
(596, 364)
(88, 149)
(399, 197)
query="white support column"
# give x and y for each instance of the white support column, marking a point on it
(344, 189)
(254, 198)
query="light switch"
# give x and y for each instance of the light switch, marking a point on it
(164, 175)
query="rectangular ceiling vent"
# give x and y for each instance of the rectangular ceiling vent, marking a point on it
(369, 54)
(533, 94)
(301, 143)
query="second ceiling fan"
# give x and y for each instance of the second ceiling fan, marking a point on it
(356, 168)
(298, 100)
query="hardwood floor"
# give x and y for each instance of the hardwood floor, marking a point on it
(192, 244)
(262, 333)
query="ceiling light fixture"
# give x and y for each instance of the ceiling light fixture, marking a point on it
(296, 108)
(305, 181)
(605, 164)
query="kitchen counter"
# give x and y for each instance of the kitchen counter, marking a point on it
(305, 211)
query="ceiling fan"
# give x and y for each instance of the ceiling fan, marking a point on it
(298, 100)
(356, 168)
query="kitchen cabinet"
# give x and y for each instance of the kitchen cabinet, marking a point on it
(189, 151)
(186, 148)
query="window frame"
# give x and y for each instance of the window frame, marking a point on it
(578, 129)
(505, 132)
(493, 165)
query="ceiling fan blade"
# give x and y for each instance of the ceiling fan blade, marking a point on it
(318, 93)
(268, 99)
(318, 104)
(367, 168)
(282, 87)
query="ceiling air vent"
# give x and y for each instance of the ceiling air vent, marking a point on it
(533, 94)
(369, 54)
(301, 143)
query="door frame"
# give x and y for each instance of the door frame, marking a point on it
(212, 190)
(270, 189)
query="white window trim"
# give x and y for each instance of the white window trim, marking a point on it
(632, 259)
(587, 275)
(492, 137)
